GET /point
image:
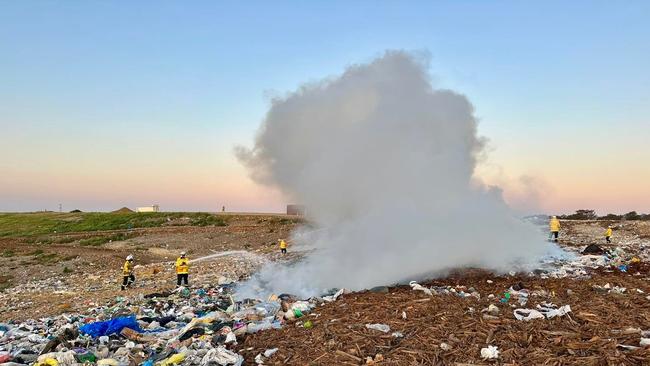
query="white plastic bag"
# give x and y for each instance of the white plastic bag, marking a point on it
(417, 287)
(380, 327)
(490, 353)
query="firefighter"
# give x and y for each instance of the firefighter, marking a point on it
(608, 234)
(127, 273)
(182, 269)
(283, 246)
(554, 226)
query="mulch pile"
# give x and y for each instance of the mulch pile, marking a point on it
(589, 335)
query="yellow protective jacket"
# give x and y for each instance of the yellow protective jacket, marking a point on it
(182, 265)
(127, 270)
(554, 225)
(608, 233)
(283, 244)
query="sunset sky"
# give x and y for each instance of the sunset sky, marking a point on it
(105, 104)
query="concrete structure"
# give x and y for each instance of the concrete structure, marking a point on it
(152, 208)
(298, 210)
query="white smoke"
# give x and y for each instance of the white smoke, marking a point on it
(384, 162)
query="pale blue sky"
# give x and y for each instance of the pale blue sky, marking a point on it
(107, 83)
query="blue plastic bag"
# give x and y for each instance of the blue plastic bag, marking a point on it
(113, 326)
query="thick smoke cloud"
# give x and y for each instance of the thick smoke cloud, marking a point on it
(384, 163)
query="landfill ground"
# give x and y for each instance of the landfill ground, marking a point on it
(601, 313)
(53, 273)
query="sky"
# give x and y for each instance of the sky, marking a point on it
(105, 104)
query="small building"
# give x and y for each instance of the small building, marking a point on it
(298, 210)
(152, 208)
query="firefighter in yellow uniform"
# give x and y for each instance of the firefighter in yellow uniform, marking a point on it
(554, 225)
(182, 269)
(127, 273)
(608, 234)
(283, 246)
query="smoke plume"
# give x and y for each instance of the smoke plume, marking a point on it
(384, 163)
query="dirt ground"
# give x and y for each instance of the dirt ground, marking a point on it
(588, 336)
(450, 330)
(57, 274)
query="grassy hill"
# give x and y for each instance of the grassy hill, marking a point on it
(41, 223)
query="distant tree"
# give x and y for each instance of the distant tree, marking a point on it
(583, 215)
(75, 211)
(612, 217)
(632, 215)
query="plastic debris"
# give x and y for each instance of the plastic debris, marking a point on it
(113, 326)
(108, 362)
(270, 352)
(417, 287)
(490, 353)
(334, 297)
(380, 327)
(173, 360)
(527, 314)
(544, 310)
(551, 311)
(491, 310)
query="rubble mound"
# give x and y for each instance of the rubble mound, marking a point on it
(123, 210)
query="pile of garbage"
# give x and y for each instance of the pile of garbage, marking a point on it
(592, 256)
(188, 326)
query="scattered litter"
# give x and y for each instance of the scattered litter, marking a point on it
(491, 310)
(551, 310)
(527, 314)
(270, 352)
(490, 353)
(607, 288)
(593, 249)
(417, 287)
(644, 342)
(380, 327)
(544, 310)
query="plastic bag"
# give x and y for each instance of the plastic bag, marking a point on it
(173, 360)
(221, 356)
(335, 296)
(113, 326)
(551, 311)
(417, 287)
(267, 308)
(380, 327)
(303, 306)
(47, 362)
(528, 314)
(490, 353)
(108, 362)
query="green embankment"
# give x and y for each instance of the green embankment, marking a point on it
(42, 223)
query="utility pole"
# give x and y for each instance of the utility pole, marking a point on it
(60, 208)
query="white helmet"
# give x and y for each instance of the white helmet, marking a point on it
(129, 257)
(182, 254)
